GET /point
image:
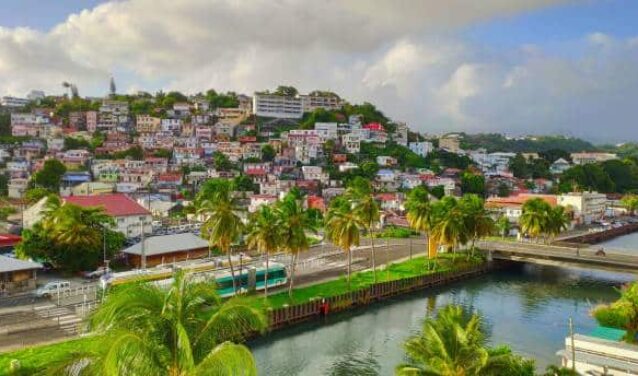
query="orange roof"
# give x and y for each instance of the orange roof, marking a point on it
(519, 200)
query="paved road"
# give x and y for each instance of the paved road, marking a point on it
(571, 254)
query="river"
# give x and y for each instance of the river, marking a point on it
(626, 243)
(526, 307)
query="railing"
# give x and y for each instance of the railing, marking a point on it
(291, 314)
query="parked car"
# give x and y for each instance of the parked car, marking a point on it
(52, 288)
(97, 273)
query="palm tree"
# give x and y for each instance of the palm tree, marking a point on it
(295, 221)
(503, 225)
(343, 228)
(630, 203)
(366, 208)
(419, 212)
(534, 215)
(453, 344)
(477, 220)
(264, 234)
(449, 225)
(223, 224)
(557, 221)
(183, 330)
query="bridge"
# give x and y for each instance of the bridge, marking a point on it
(561, 255)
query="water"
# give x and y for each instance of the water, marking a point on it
(527, 308)
(622, 243)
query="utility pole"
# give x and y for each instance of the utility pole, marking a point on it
(571, 336)
(143, 253)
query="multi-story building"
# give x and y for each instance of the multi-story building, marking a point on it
(351, 142)
(585, 158)
(171, 125)
(400, 135)
(422, 148)
(314, 101)
(451, 143)
(231, 115)
(277, 106)
(315, 173)
(91, 121)
(327, 131)
(147, 124)
(28, 124)
(13, 102)
(586, 206)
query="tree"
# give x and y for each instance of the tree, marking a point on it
(453, 344)
(557, 221)
(503, 226)
(264, 233)
(223, 224)
(244, 183)
(183, 330)
(33, 195)
(289, 91)
(518, 166)
(419, 212)
(295, 221)
(71, 237)
(221, 161)
(50, 176)
(477, 220)
(449, 224)
(504, 190)
(438, 191)
(473, 183)
(630, 203)
(5, 124)
(268, 153)
(366, 209)
(621, 314)
(534, 217)
(343, 228)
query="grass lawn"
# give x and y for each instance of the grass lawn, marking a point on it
(36, 358)
(406, 269)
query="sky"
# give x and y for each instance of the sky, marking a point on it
(517, 67)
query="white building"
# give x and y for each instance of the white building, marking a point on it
(585, 158)
(559, 166)
(277, 106)
(587, 206)
(327, 131)
(422, 148)
(13, 102)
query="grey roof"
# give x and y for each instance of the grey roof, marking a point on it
(158, 245)
(9, 264)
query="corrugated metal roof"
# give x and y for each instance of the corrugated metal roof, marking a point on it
(9, 264)
(158, 245)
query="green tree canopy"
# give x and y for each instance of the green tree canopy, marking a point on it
(50, 176)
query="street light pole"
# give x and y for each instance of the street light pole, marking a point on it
(143, 253)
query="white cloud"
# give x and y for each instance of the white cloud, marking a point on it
(405, 56)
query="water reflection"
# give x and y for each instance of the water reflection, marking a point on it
(527, 308)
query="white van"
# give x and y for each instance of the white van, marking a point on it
(53, 288)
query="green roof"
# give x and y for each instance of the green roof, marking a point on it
(611, 334)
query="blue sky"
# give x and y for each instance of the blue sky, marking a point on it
(40, 14)
(553, 25)
(516, 66)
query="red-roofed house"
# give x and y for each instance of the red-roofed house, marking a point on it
(128, 214)
(316, 202)
(512, 206)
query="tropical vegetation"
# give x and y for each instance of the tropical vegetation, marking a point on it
(454, 343)
(183, 330)
(539, 219)
(71, 237)
(621, 314)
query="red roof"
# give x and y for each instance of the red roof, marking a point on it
(374, 127)
(386, 196)
(116, 205)
(256, 171)
(9, 240)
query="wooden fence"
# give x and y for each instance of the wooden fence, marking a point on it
(288, 315)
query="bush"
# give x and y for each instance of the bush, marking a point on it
(394, 232)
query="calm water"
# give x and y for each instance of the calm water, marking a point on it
(625, 242)
(527, 308)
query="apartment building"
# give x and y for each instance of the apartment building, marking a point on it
(13, 102)
(586, 206)
(585, 158)
(147, 124)
(311, 102)
(422, 148)
(277, 106)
